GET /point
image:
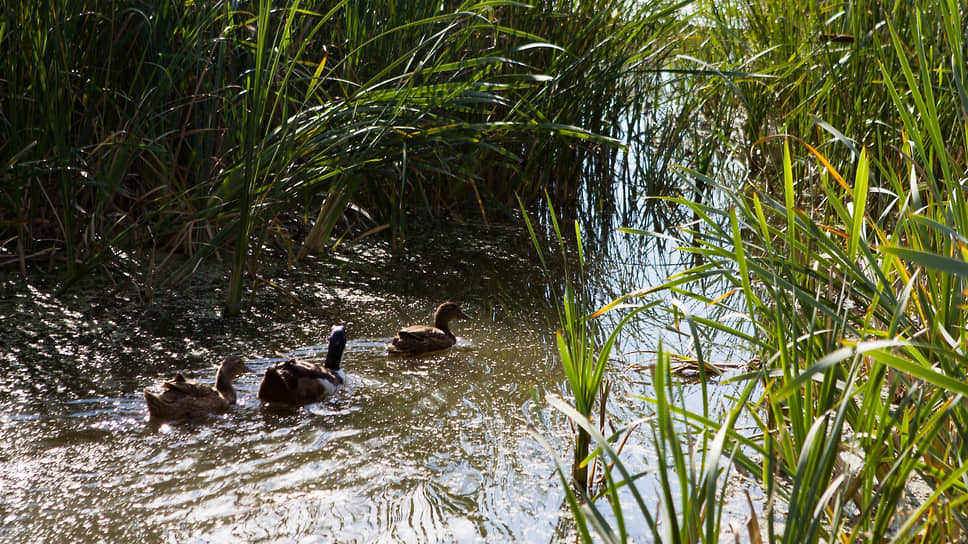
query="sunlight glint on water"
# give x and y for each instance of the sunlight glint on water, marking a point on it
(429, 449)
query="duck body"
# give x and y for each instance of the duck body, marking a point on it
(422, 338)
(299, 382)
(302, 382)
(181, 398)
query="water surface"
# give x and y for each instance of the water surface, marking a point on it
(430, 449)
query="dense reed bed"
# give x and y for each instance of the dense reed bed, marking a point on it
(844, 261)
(142, 138)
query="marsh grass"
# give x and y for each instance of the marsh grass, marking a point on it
(835, 322)
(583, 370)
(688, 480)
(170, 135)
(144, 140)
(844, 257)
(584, 355)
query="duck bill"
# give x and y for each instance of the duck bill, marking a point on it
(465, 316)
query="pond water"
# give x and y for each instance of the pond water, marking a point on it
(435, 449)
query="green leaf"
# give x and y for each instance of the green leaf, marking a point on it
(929, 260)
(860, 205)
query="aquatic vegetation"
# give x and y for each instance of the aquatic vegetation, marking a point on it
(232, 119)
(146, 142)
(844, 263)
(576, 348)
(583, 359)
(692, 468)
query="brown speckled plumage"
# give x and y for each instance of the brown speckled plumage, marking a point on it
(181, 398)
(422, 339)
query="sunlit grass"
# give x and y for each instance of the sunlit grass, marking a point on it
(583, 358)
(845, 257)
(149, 141)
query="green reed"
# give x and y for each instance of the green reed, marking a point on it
(583, 358)
(852, 276)
(261, 129)
(166, 134)
(583, 370)
(608, 79)
(835, 322)
(693, 454)
(845, 256)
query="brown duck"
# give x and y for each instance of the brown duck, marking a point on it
(421, 338)
(181, 398)
(302, 382)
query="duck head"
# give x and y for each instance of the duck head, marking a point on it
(233, 366)
(446, 312)
(335, 347)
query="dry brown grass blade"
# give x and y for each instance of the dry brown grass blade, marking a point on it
(753, 525)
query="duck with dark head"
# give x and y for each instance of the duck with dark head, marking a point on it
(422, 339)
(296, 382)
(182, 399)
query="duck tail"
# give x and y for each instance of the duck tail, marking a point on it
(273, 387)
(156, 406)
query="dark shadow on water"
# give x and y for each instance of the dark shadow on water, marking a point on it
(435, 447)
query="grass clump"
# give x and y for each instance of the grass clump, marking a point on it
(153, 137)
(844, 256)
(584, 365)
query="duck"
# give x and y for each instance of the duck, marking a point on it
(421, 338)
(181, 398)
(302, 382)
